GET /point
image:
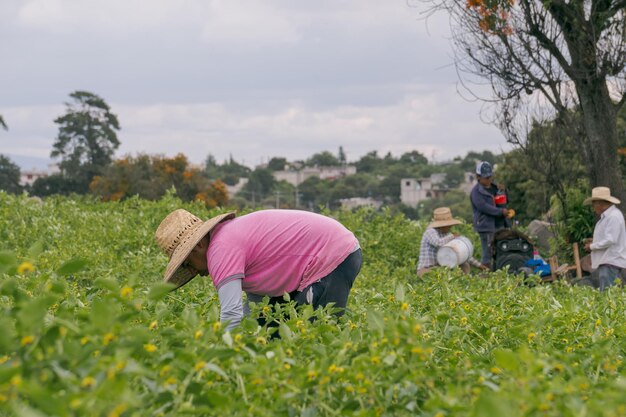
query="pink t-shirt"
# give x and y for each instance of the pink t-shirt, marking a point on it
(277, 251)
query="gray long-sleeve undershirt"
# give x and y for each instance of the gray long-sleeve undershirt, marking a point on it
(232, 307)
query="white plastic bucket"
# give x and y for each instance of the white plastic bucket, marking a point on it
(456, 252)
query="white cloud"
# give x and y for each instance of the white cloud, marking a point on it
(112, 18)
(435, 123)
(249, 22)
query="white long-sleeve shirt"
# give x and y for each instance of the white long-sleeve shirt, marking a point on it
(609, 240)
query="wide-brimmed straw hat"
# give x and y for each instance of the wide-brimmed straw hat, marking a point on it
(442, 217)
(177, 235)
(601, 193)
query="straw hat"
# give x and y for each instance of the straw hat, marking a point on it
(601, 193)
(442, 217)
(177, 235)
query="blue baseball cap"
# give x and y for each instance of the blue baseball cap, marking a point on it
(484, 169)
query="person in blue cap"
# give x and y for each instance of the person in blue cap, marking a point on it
(488, 217)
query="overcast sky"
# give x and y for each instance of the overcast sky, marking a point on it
(248, 78)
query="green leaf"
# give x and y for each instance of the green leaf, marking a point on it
(506, 359)
(7, 261)
(107, 284)
(160, 290)
(31, 314)
(35, 250)
(400, 293)
(491, 405)
(7, 333)
(285, 332)
(217, 400)
(104, 313)
(375, 321)
(72, 266)
(7, 258)
(213, 367)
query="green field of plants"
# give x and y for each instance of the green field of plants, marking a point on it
(87, 329)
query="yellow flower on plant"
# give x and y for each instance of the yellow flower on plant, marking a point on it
(261, 340)
(149, 347)
(153, 325)
(404, 306)
(375, 360)
(84, 340)
(16, 381)
(165, 370)
(531, 336)
(216, 326)
(311, 375)
(108, 338)
(88, 382)
(199, 366)
(25, 267)
(27, 340)
(198, 334)
(126, 292)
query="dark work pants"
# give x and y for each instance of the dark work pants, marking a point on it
(334, 287)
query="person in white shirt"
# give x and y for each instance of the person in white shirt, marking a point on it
(608, 246)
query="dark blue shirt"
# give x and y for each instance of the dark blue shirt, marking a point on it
(485, 211)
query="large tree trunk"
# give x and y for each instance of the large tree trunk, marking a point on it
(601, 141)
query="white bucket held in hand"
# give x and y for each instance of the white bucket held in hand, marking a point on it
(456, 252)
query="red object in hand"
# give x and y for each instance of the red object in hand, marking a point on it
(500, 199)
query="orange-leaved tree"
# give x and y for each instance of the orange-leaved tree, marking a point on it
(150, 177)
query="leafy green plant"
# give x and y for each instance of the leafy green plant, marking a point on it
(88, 328)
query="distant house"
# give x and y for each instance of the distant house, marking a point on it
(29, 176)
(296, 177)
(468, 183)
(234, 189)
(413, 191)
(354, 202)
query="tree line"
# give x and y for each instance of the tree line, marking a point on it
(542, 174)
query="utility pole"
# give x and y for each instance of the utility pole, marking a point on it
(297, 196)
(277, 198)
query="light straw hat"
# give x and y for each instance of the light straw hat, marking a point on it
(177, 235)
(601, 193)
(442, 217)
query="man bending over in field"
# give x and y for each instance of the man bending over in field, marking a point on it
(436, 235)
(311, 257)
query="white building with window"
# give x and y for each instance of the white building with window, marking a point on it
(413, 191)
